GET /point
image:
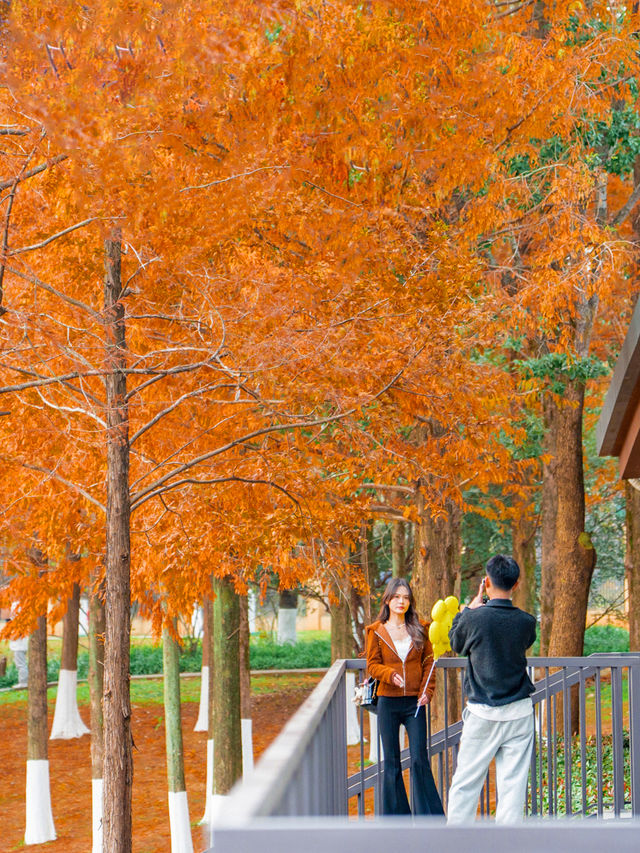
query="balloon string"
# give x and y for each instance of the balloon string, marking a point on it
(426, 684)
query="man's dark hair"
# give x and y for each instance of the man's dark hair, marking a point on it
(503, 571)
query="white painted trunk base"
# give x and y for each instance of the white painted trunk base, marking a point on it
(206, 817)
(181, 841)
(353, 726)
(373, 739)
(67, 722)
(83, 617)
(215, 809)
(252, 604)
(202, 723)
(39, 824)
(97, 787)
(287, 625)
(247, 747)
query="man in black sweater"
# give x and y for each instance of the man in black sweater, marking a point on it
(498, 718)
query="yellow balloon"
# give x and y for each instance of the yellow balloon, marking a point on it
(452, 604)
(434, 632)
(438, 611)
(439, 649)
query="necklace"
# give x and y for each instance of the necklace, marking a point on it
(399, 630)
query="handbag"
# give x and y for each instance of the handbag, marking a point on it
(366, 694)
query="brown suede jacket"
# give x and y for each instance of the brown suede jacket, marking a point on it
(383, 660)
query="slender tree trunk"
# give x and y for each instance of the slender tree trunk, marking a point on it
(210, 788)
(574, 551)
(37, 748)
(39, 817)
(118, 763)
(342, 643)
(67, 722)
(398, 549)
(524, 552)
(202, 723)
(96, 689)
(181, 841)
(424, 598)
(548, 562)
(443, 579)
(226, 686)
(70, 624)
(245, 688)
(632, 564)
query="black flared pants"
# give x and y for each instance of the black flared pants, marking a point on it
(394, 711)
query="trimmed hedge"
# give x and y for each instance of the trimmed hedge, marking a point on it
(605, 638)
(147, 659)
(602, 639)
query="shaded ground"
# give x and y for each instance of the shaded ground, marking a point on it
(274, 701)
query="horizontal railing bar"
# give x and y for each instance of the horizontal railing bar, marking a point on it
(266, 790)
(262, 790)
(382, 835)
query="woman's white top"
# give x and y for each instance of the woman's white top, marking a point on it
(402, 647)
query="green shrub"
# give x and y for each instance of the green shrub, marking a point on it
(605, 638)
(598, 639)
(265, 654)
(147, 659)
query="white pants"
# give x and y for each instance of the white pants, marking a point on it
(510, 743)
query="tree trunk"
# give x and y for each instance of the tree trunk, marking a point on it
(118, 763)
(436, 574)
(575, 553)
(226, 687)
(70, 623)
(202, 723)
(181, 841)
(37, 748)
(39, 817)
(524, 552)
(67, 722)
(207, 817)
(398, 549)
(632, 564)
(245, 688)
(342, 644)
(548, 561)
(96, 688)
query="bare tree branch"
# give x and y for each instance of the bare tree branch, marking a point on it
(626, 209)
(41, 381)
(233, 177)
(14, 130)
(52, 162)
(213, 481)
(189, 395)
(304, 424)
(54, 237)
(32, 279)
(55, 476)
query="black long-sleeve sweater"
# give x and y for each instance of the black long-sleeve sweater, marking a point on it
(495, 638)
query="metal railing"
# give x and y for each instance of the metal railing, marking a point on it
(594, 770)
(586, 760)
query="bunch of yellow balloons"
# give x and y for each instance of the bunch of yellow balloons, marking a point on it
(442, 614)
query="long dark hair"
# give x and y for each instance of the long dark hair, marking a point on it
(411, 620)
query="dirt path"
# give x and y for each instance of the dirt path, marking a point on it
(70, 768)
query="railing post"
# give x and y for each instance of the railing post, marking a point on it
(618, 746)
(634, 734)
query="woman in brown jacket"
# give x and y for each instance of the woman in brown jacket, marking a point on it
(399, 655)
